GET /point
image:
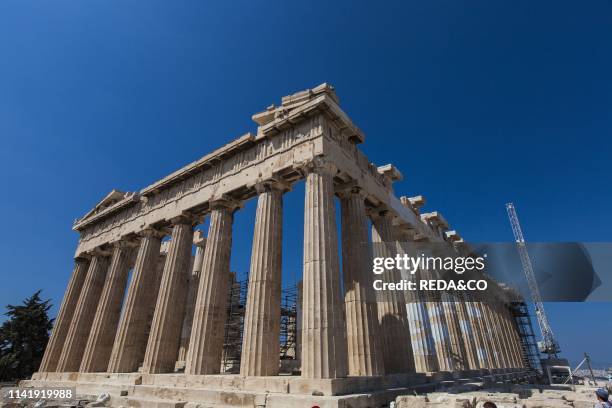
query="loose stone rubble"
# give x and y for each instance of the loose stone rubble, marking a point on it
(503, 396)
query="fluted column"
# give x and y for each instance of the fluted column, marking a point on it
(206, 341)
(457, 345)
(194, 281)
(323, 325)
(64, 317)
(489, 339)
(439, 329)
(80, 326)
(260, 344)
(104, 326)
(362, 327)
(509, 328)
(480, 340)
(496, 353)
(521, 357)
(500, 335)
(468, 333)
(130, 341)
(423, 347)
(164, 338)
(392, 316)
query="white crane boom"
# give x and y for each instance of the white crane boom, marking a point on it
(549, 344)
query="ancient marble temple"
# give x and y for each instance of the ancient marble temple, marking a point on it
(140, 310)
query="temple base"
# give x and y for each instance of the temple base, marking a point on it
(180, 390)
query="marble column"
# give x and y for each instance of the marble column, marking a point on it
(440, 332)
(392, 312)
(521, 357)
(206, 341)
(131, 338)
(468, 333)
(164, 338)
(362, 327)
(457, 345)
(64, 317)
(104, 326)
(489, 336)
(509, 328)
(501, 335)
(323, 325)
(480, 340)
(260, 344)
(423, 347)
(76, 339)
(194, 280)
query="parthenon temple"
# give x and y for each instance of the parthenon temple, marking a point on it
(144, 312)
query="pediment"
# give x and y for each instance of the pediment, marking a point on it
(109, 200)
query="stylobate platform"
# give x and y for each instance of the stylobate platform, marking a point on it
(180, 390)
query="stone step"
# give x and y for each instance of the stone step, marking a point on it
(139, 402)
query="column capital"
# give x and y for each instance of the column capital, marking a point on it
(320, 164)
(99, 251)
(272, 184)
(125, 243)
(405, 234)
(350, 189)
(185, 219)
(225, 202)
(82, 257)
(379, 212)
(151, 232)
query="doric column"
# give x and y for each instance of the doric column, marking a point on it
(521, 357)
(78, 333)
(206, 340)
(489, 339)
(457, 345)
(164, 338)
(480, 339)
(495, 354)
(64, 317)
(392, 312)
(467, 333)
(500, 335)
(423, 347)
(323, 325)
(362, 328)
(130, 341)
(260, 344)
(509, 328)
(194, 280)
(439, 330)
(299, 321)
(104, 326)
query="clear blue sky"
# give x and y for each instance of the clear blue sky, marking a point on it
(477, 103)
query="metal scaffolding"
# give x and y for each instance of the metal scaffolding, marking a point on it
(234, 326)
(288, 324)
(531, 354)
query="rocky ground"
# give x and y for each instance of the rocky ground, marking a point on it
(503, 396)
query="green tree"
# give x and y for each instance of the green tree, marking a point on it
(23, 338)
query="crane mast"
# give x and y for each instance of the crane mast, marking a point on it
(548, 345)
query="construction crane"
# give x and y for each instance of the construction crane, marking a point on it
(548, 345)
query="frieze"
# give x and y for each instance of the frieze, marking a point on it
(264, 149)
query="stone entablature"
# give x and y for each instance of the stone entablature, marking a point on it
(282, 147)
